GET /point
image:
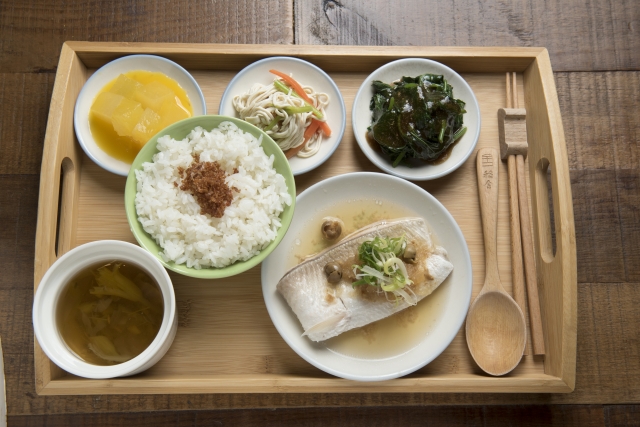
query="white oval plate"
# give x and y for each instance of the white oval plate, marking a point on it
(458, 286)
(107, 73)
(361, 118)
(306, 74)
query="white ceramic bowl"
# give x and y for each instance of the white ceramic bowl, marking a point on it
(306, 74)
(412, 67)
(107, 73)
(52, 285)
(454, 293)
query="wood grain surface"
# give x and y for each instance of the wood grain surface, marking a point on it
(580, 35)
(594, 48)
(32, 32)
(467, 416)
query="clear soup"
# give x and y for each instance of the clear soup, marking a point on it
(109, 313)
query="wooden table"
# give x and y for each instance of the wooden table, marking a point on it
(595, 53)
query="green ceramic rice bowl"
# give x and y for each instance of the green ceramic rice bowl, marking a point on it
(179, 131)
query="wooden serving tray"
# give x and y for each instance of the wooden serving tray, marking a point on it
(226, 342)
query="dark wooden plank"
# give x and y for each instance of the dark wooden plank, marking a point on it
(599, 240)
(602, 131)
(24, 107)
(581, 35)
(622, 415)
(18, 207)
(468, 416)
(32, 33)
(608, 350)
(628, 193)
(18, 211)
(560, 415)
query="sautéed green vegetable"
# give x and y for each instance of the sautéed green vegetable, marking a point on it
(416, 117)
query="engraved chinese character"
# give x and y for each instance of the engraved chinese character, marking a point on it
(488, 184)
(487, 174)
(487, 160)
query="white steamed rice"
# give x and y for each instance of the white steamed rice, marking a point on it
(172, 216)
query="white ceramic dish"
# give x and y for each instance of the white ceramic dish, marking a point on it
(306, 74)
(107, 73)
(456, 289)
(52, 285)
(361, 118)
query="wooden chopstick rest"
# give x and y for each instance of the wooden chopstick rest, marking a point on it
(512, 131)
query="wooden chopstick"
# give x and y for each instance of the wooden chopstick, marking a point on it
(517, 268)
(524, 239)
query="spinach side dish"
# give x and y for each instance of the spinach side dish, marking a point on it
(415, 117)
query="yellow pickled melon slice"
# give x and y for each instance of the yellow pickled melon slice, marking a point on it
(173, 111)
(153, 95)
(149, 124)
(104, 106)
(125, 86)
(126, 116)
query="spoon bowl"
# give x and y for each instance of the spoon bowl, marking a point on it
(495, 330)
(494, 333)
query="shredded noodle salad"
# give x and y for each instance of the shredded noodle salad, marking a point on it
(292, 114)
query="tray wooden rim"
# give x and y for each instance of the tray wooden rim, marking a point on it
(76, 57)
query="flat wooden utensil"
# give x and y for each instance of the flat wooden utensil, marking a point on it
(496, 330)
(512, 129)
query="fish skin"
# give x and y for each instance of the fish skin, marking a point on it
(326, 310)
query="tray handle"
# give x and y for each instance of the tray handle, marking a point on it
(66, 212)
(59, 174)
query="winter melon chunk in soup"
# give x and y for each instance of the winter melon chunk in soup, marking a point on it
(109, 313)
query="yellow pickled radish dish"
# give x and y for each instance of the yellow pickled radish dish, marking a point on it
(132, 108)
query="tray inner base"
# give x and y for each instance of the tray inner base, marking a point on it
(224, 328)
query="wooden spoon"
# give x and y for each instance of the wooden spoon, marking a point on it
(496, 330)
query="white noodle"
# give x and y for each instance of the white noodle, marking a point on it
(261, 104)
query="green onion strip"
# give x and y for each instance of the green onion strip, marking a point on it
(383, 268)
(308, 107)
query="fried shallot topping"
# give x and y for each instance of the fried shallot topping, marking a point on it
(206, 182)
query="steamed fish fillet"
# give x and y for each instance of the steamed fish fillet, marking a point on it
(326, 310)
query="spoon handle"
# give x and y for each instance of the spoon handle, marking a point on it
(487, 163)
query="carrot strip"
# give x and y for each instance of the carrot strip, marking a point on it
(324, 126)
(293, 151)
(313, 127)
(294, 84)
(308, 133)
